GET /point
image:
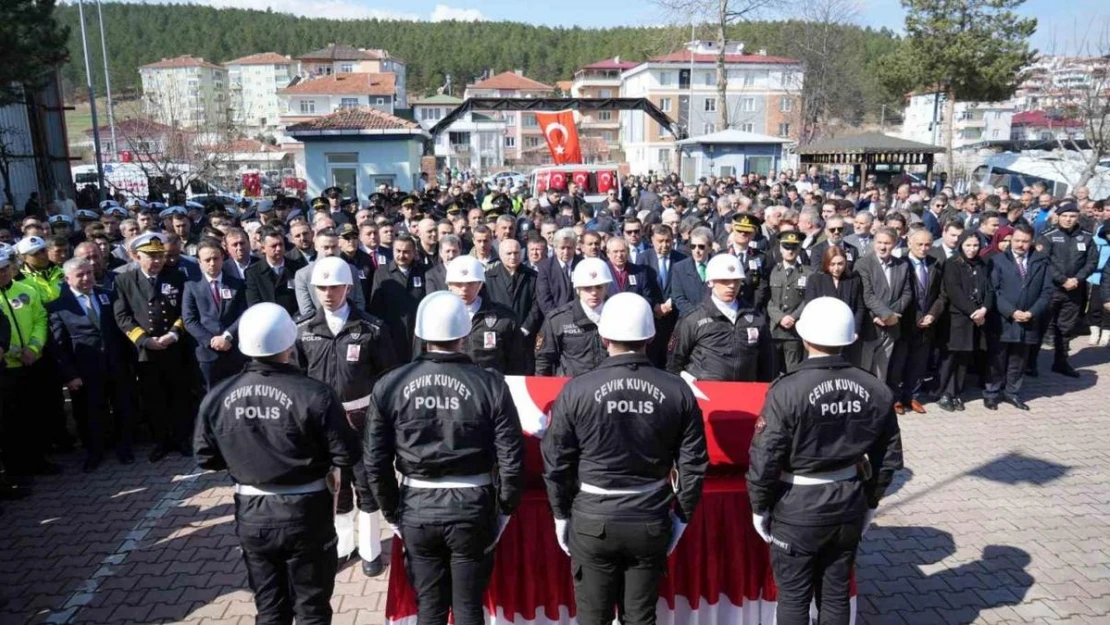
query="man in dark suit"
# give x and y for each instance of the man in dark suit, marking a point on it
(302, 251)
(629, 277)
(834, 235)
(920, 320)
(553, 286)
(888, 295)
(398, 289)
(688, 287)
(211, 310)
(661, 260)
(89, 349)
(237, 244)
(513, 285)
(274, 279)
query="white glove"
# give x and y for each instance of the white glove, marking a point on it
(690, 379)
(502, 522)
(561, 529)
(395, 529)
(762, 524)
(868, 518)
(677, 528)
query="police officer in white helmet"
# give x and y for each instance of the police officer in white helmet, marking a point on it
(825, 449)
(616, 434)
(568, 343)
(443, 423)
(278, 433)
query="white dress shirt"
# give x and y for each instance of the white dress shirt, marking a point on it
(729, 310)
(336, 320)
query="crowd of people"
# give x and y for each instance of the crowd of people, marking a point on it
(131, 308)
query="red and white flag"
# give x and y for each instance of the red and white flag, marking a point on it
(582, 179)
(606, 180)
(562, 136)
(558, 180)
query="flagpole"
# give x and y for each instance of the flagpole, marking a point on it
(107, 81)
(92, 102)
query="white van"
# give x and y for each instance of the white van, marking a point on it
(1059, 174)
(595, 181)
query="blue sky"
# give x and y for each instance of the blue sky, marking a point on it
(1061, 22)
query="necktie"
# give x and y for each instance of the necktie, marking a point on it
(662, 272)
(90, 308)
(701, 271)
(1021, 267)
(216, 292)
(922, 276)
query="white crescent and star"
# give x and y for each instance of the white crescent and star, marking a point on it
(560, 146)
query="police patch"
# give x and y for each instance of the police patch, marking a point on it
(491, 321)
(539, 342)
(760, 425)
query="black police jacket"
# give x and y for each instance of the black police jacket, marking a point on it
(495, 342)
(624, 425)
(710, 347)
(441, 416)
(568, 343)
(823, 417)
(1071, 254)
(349, 361)
(272, 425)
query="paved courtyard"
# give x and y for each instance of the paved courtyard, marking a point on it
(1000, 517)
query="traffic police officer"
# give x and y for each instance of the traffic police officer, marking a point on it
(278, 433)
(348, 350)
(826, 447)
(723, 339)
(788, 290)
(568, 343)
(494, 342)
(616, 433)
(1072, 257)
(445, 422)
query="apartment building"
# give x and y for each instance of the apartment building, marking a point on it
(475, 141)
(186, 91)
(310, 98)
(344, 59)
(973, 123)
(600, 131)
(522, 140)
(763, 96)
(253, 84)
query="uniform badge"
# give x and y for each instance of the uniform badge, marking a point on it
(417, 281)
(539, 342)
(749, 318)
(1081, 247)
(361, 274)
(167, 289)
(632, 280)
(355, 335)
(760, 425)
(801, 282)
(753, 336)
(1040, 247)
(848, 255)
(16, 303)
(491, 321)
(104, 300)
(489, 340)
(225, 293)
(290, 285)
(353, 352)
(753, 264)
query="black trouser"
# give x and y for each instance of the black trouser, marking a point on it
(789, 354)
(449, 566)
(953, 373)
(1064, 312)
(94, 419)
(164, 386)
(813, 563)
(24, 437)
(618, 563)
(352, 481)
(1007, 368)
(1096, 316)
(291, 571)
(918, 346)
(219, 370)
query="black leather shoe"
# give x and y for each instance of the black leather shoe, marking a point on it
(373, 568)
(1065, 369)
(958, 404)
(158, 453)
(990, 404)
(185, 450)
(10, 490)
(945, 404)
(1016, 403)
(125, 456)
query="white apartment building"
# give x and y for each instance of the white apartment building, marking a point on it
(474, 141)
(975, 122)
(763, 97)
(185, 91)
(600, 131)
(522, 140)
(253, 84)
(344, 59)
(311, 98)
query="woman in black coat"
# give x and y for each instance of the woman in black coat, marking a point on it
(968, 291)
(836, 280)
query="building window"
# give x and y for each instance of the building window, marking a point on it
(665, 79)
(348, 103)
(529, 121)
(664, 156)
(994, 133)
(604, 93)
(709, 129)
(710, 79)
(510, 119)
(665, 105)
(609, 136)
(510, 142)
(784, 130)
(710, 105)
(747, 105)
(749, 127)
(532, 142)
(379, 101)
(347, 67)
(604, 116)
(749, 79)
(786, 104)
(308, 107)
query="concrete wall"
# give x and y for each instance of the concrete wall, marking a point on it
(375, 155)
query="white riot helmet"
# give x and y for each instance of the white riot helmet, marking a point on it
(465, 269)
(266, 329)
(827, 322)
(724, 267)
(591, 272)
(626, 317)
(331, 271)
(442, 316)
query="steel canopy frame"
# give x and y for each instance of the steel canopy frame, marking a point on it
(560, 104)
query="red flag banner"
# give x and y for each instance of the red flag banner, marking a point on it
(562, 136)
(606, 180)
(582, 179)
(557, 180)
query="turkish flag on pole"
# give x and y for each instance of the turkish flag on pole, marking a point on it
(562, 136)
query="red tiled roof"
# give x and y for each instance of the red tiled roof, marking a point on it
(683, 56)
(342, 52)
(345, 84)
(1040, 119)
(134, 127)
(181, 61)
(264, 58)
(511, 81)
(364, 118)
(612, 63)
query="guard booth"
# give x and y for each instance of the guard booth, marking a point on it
(871, 154)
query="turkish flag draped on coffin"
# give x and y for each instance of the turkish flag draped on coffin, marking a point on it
(562, 136)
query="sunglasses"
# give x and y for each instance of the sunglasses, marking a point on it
(836, 230)
(632, 231)
(698, 246)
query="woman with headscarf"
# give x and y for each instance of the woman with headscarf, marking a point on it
(969, 295)
(1000, 242)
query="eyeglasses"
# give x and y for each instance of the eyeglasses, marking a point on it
(698, 246)
(836, 230)
(632, 231)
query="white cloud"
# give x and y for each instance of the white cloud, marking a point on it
(336, 9)
(443, 13)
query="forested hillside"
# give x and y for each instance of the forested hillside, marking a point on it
(143, 33)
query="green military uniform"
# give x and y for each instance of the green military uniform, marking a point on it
(788, 289)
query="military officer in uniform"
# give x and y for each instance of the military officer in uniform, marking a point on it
(444, 424)
(725, 338)
(494, 342)
(788, 289)
(616, 434)
(753, 261)
(1072, 257)
(278, 433)
(825, 450)
(348, 350)
(568, 343)
(148, 311)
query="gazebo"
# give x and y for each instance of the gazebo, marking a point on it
(870, 153)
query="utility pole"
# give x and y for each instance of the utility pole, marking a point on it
(107, 81)
(92, 102)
